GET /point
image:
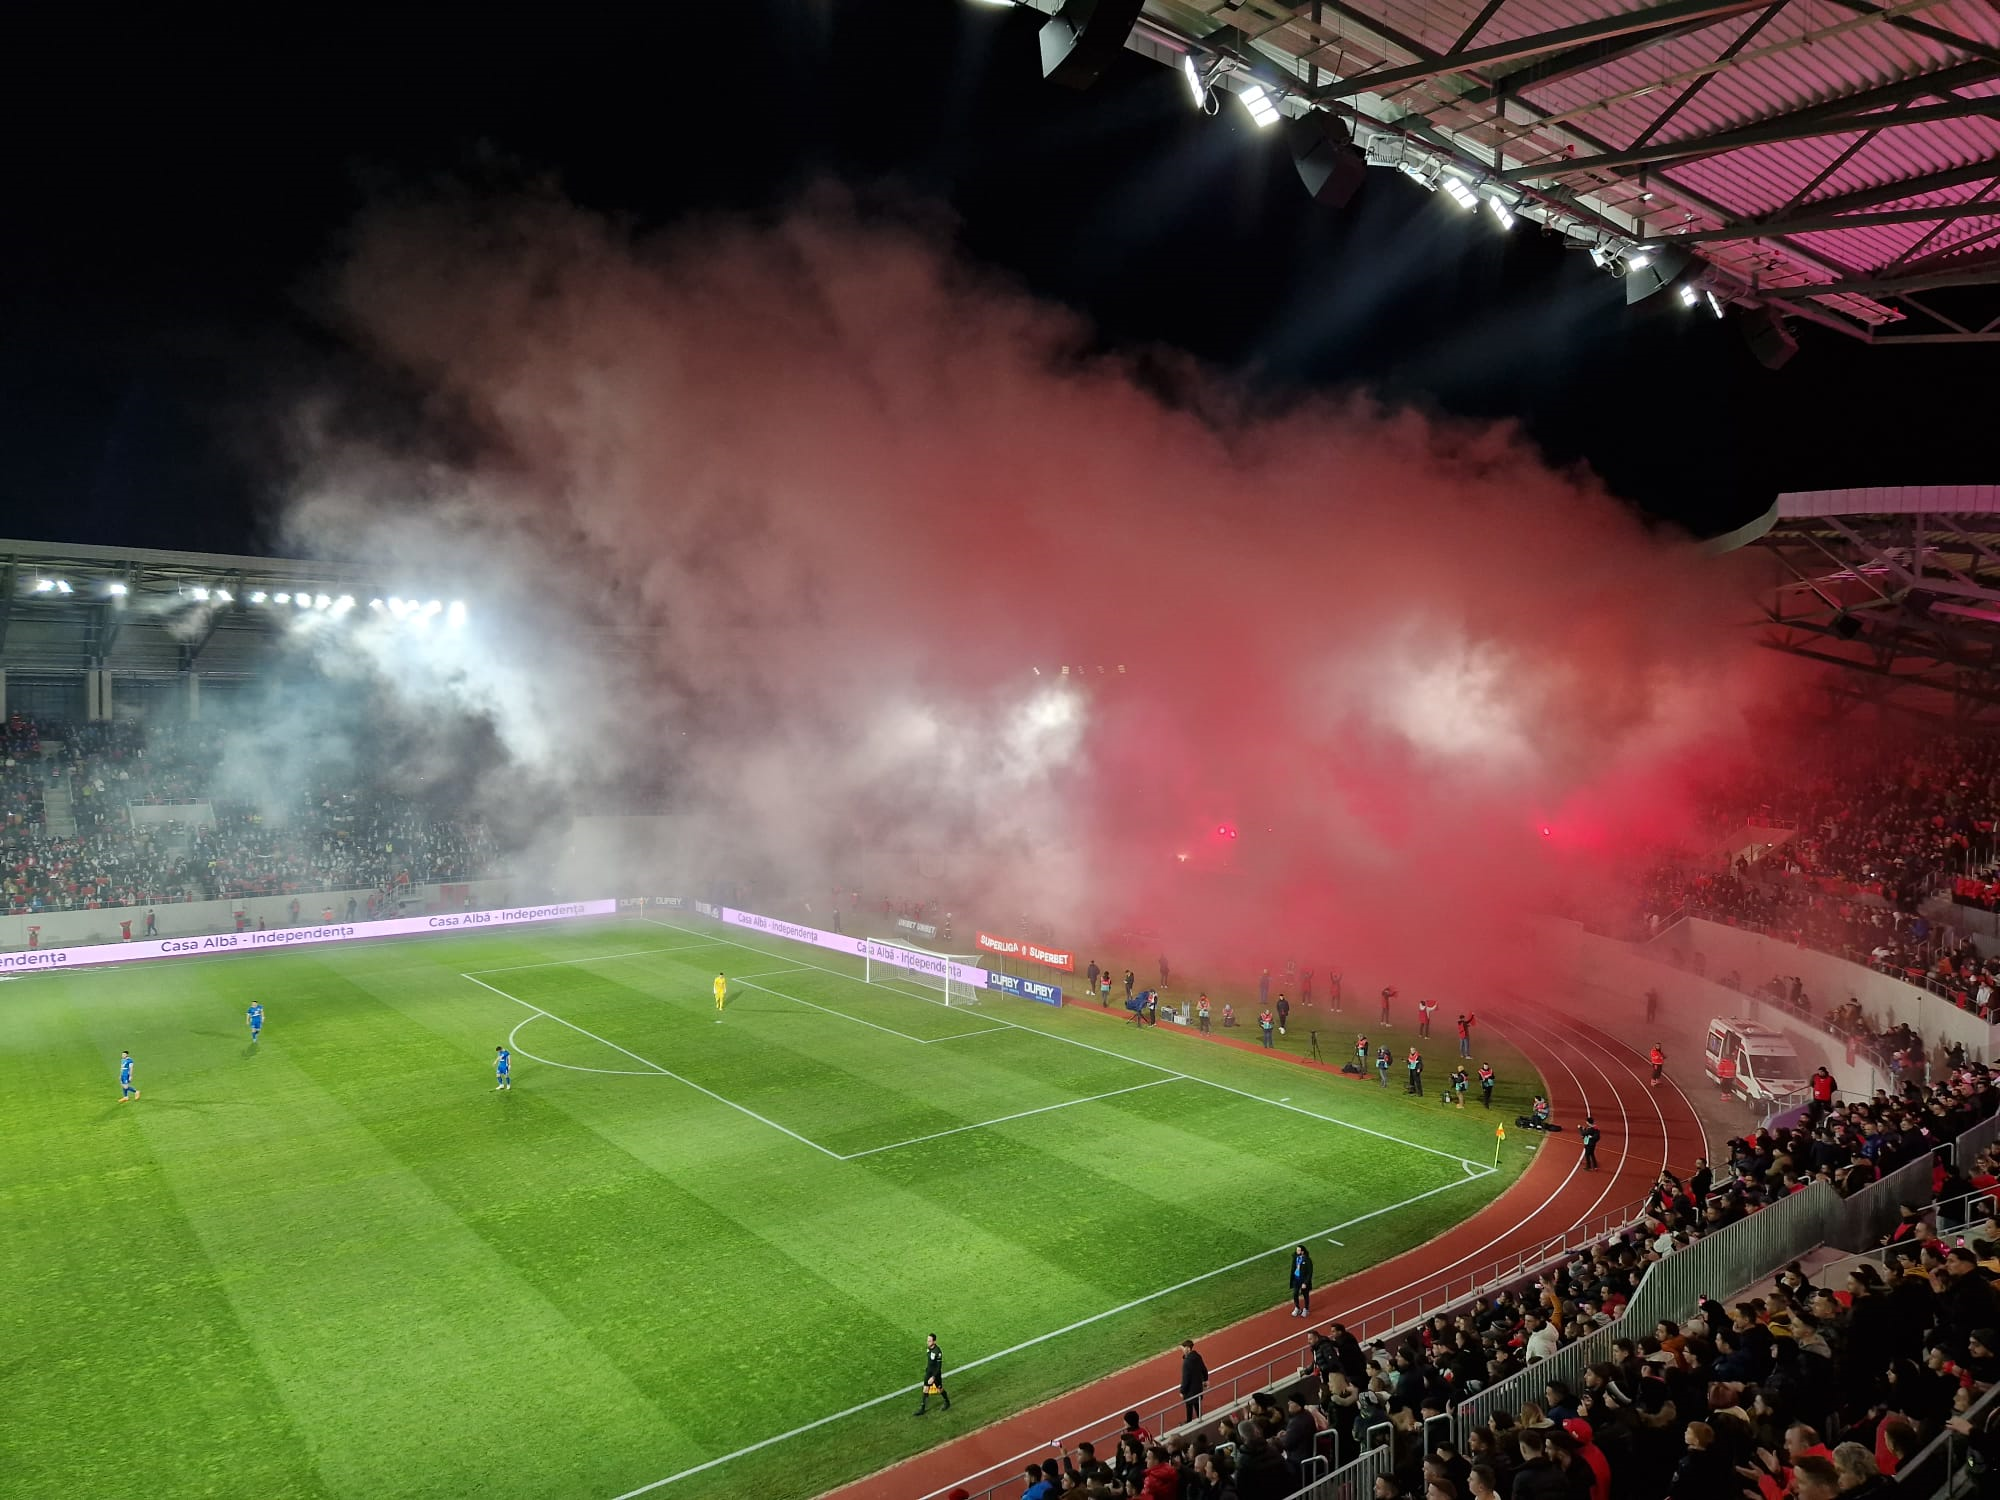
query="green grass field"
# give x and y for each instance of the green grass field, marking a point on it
(341, 1264)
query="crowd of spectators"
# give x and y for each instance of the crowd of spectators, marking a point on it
(338, 831)
(1861, 837)
(1808, 1385)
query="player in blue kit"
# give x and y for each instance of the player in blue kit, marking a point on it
(126, 1091)
(255, 1016)
(502, 1061)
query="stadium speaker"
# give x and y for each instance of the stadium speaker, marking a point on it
(1329, 165)
(1079, 41)
(1846, 626)
(1768, 337)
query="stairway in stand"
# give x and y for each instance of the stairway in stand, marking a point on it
(58, 816)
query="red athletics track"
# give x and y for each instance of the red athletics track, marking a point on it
(1587, 1072)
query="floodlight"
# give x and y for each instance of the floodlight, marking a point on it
(282, 598)
(1714, 303)
(320, 601)
(259, 597)
(115, 590)
(343, 604)
(1501, 212)
(1197, 85)
(456, 614)
(433, 608)
(1656, 269)
(1462, 195)
(62, 586)
(399, 607)
(199, 592)
(302, 601)
(223, 596)
(1263, 109)
(44, 585)
(376, 605)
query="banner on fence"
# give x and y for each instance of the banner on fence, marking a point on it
(271, 939)
(921, 929)
(1048, 958)
(1027, 989)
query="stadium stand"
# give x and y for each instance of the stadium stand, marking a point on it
(1861, 840)
(337, 831)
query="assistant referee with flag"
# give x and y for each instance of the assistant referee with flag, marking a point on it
(933, 1375)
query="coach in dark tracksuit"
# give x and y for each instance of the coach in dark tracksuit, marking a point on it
(1590, 1135)
(933, 1374)
(1194, 1378)
(1302, 1282)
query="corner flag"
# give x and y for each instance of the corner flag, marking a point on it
(1499, 1135)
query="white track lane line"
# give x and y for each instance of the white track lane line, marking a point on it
(903, 1392)
(1379, 1135)
(711, 1093)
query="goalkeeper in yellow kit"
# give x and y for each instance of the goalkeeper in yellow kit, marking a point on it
(721, 994)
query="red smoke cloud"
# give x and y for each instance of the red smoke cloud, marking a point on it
(860, 490)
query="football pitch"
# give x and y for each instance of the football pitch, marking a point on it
(686, 1255)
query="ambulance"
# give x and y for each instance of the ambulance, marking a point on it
(1765, 1067)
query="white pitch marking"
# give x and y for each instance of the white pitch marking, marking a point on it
(903, 1392)
(857, 1020)
(938, 1135)
(719, 1099)
(549, 1062)
(1380, 1135)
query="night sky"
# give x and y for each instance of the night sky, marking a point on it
(173, 198)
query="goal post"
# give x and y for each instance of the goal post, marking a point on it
(920, 971)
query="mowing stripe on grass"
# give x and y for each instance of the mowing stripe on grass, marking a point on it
(903, 1392)
(669, 1072)
(594, 958)
(938, 1135)
(1379, 1135)
(843, 1015)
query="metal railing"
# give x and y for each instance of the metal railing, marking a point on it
(1966, 1149)
(1862, 1220)
(1354, 1481)
(1938, 1468)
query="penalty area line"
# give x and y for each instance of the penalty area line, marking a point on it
(668, 1072)
(902, 1392)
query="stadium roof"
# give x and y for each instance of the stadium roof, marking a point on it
(1836, 160)
(67, 607)
(1900, 588)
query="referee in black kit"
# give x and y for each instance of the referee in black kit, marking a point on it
(933, 1375)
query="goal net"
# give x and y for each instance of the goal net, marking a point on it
(919, 971)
